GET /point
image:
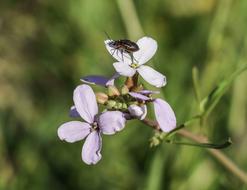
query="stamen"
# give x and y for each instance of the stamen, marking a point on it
(134, 65)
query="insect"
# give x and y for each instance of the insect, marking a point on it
(123, 46)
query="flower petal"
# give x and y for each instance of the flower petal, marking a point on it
(164, 115)
(111, 122)
(94, 79)
(73, 112)
(151, 76)
(85, 102)
(124, 69)
(91, 148)
(139, 96)
(73, 131)
(125, 57)
(148, 92)
(139, 112)
(148, 47)
(111, 81)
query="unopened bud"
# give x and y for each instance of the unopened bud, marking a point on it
(124, 90)
(118, 105)
(113, 91)
(101, 97)
(125, 106)
(110, 104)
(137, 88)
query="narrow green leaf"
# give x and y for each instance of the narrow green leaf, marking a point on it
(196, 84)
(202, 145)
(209, 102)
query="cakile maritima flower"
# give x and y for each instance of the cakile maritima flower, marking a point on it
(120, 103)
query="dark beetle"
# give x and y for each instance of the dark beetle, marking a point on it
(123, 46)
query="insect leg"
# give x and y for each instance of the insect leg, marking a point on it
(122, 55)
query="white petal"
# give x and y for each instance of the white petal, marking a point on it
(148, 47)
(111, 122)
(73, 131)
(139, 112)
(124, 69)
(164, 115)
(144, 109)
(85, 102)
(91, 148)
(125, 57)
(151, 76)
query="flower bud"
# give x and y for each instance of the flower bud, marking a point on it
(125, 106)
(101, 97)
(139, 112)
(118, 105)
(137, 88)
(124, 90)
(110, 104)
(113, 91)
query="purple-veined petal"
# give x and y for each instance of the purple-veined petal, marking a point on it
(91, 148)
(94, 79)
(148, 92)
(124, 69)
(85, 102)
(73, 112)
(117, 54)
(139, 112)
(164, 115)
(148, 47)
(73, 131)
(151, 76)
(111, 122)
(139, 96)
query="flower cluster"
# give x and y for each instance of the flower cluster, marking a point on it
(119, 103)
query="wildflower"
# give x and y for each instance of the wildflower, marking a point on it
(164, 114)
(108, 123)
(126, 67)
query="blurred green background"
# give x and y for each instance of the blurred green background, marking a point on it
(46, 46)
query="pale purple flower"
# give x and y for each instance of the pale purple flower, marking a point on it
(138, 112)
(164, 114)
(107, 123)
(125, 67)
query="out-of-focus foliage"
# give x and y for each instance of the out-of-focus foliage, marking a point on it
(46, 46)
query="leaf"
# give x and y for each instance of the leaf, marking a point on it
(203, 145)
(209, 102)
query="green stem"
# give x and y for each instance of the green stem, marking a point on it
(217, 154)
